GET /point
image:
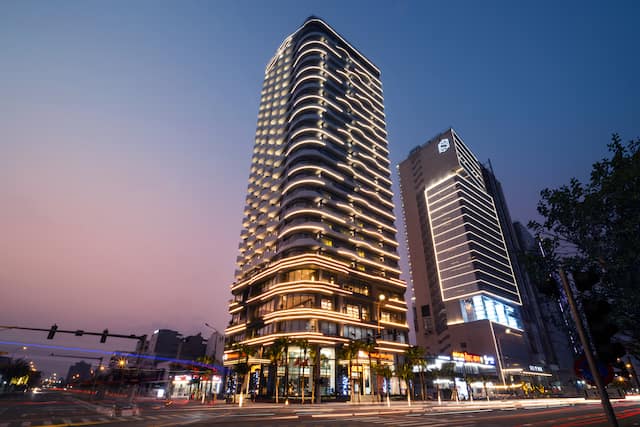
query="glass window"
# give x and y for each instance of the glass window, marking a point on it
(297, 301)
(295, 326)
(301, 275)
(328, 328)
(482, 307)
(357, 288)
(352, 311)
(356, 333)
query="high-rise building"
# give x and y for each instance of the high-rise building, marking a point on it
(192, 347)
(465, 294)
(560, 343)
(318, 252)
(79, 372)
(165, 343)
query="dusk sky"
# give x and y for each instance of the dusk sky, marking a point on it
(126, 131)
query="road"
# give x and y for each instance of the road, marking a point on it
(65, 409)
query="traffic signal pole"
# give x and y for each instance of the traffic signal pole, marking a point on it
(604, 397)
(78, 332)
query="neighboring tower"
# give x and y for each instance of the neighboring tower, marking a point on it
(465, 294)
(79, 372)
(318, 252)
(531, 316)
(559, 338)
(164, 343)
(192, 347)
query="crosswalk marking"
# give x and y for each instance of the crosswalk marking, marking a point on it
(85, 420)
(26, 424)
(66, 421)
(46, 423)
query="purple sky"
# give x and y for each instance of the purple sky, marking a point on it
(126, 133)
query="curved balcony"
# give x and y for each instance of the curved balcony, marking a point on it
(301, 193)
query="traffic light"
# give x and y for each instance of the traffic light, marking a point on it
(103, 337)
(52, 331)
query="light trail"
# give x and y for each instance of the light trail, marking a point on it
(117, 353)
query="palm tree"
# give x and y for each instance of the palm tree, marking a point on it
(349, 353)
(414, 356)
(385, 372)
(434, 375)
(304, 346)
(314, 354)
(244, 368)
(448, 370)
(405, 372)
(370, 347)
(275, 353)
(208, 360)
(484, 379)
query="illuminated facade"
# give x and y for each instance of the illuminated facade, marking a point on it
(465, 295)
(318, 252)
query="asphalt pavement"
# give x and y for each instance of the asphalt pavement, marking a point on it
(66, 409)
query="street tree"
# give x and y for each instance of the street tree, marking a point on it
(414, 355)
(385, 372)
(448, 370)
(243, 369)
(208, 370)
(349, 353)
(405, 373)
(304, 346)
(15, 372)
(279, 355)
(593, 230)
(369, 346)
